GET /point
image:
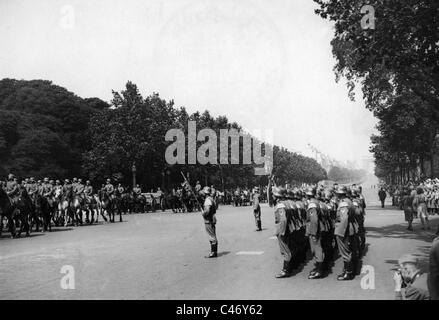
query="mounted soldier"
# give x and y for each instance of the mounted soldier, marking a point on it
(90, 203)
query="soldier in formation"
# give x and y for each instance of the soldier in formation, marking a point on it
(321, 221)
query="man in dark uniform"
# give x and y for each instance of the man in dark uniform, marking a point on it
(301, 211)
(12, 189)
(137, 191)
(88, 197)
(47, 191)
(345, 229)
(257, 208)
(109, 189)
(314, 228)
(296, 232)
(282, 230)
(32, 189)
(382, 195)
(209, 210)
(359, 217)
(433, 272)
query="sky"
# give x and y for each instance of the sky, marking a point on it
(264, 64)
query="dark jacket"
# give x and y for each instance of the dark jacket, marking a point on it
(433, 276)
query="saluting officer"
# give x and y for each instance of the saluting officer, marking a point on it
(257, 208)
(345, 230)
(209, 210)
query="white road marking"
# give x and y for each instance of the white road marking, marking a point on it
(249, 253)
(273, 238)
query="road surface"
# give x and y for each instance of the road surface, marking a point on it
(161, 256)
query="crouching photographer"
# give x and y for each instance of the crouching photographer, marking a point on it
(410, 283)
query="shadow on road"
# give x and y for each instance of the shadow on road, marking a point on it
(224, 253)
(386, 208)
(400, 231)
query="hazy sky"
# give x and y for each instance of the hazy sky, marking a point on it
(265, 64)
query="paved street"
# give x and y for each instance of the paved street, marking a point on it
(161, 256)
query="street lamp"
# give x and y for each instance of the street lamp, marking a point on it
(133, 170)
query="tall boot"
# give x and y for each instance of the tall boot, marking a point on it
(285, 272)
(318, 273)
(259, 225)
(349, 274)
(341, 276)
(213, 250)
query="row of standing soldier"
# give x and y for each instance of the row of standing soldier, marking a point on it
(322, 221)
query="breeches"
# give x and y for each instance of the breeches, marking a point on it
(285, 250)
(316, 248)
(257, 214)
(211, 232)
(345, 247)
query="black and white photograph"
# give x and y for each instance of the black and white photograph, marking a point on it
(219, 154)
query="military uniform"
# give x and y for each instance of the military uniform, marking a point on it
(109, 189)
(88, 193)
(12, 190)
(47, 192)
(345, 231)
(257, 210)
(315, 226)
(209, 210)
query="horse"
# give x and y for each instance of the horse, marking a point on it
(66, 208)
(7, 210)
(78, 206)
(99, 208)
(108, 205)
(118, 205)
(24, 212)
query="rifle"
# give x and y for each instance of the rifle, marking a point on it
(187, 182)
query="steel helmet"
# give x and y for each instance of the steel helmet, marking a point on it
(342, 190)
(279, 192)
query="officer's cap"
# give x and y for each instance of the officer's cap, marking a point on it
(279, 192)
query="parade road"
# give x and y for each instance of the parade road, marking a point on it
(161, 256)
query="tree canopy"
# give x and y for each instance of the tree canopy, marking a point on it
(396, 63)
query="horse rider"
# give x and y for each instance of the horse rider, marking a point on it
(137, 191)
(48, 191)
(120, 189)
(88, 197)
(74, 183)
(12, 189)
(88, 191)
(67, 190)
(32, 188)
(209, 210)
(109, 189)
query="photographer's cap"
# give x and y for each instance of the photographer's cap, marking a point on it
(408, 258)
